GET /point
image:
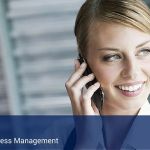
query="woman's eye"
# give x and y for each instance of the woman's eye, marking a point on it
(111, 58)
(144, 52)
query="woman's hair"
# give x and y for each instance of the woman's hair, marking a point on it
(131, 13)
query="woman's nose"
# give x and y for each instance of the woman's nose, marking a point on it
(130, 69)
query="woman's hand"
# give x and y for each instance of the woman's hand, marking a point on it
(87, 128)
(80, 98)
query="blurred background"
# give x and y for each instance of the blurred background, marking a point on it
(37, 52)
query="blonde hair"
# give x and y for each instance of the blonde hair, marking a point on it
(131, 13)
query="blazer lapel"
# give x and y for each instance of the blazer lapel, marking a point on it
(139, 134)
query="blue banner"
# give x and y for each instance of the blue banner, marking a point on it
(74, 132)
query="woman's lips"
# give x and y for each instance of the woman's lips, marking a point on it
(132, 90)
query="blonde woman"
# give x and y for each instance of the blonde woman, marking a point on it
(113, 38)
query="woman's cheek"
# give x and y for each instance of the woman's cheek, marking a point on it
(146, 70)
(106, 76)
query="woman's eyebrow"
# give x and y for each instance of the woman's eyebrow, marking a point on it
(108, 48)
(143, 44)
(116, 49)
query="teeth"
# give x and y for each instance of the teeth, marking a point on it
(130, 88)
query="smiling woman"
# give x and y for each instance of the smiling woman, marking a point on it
(119, 58)
(113, 40)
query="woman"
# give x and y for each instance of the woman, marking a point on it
(113, 38)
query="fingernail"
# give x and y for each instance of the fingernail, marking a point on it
(91, 75)
(97, 84)
(83, 64)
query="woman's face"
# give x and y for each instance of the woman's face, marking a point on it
(119, 57)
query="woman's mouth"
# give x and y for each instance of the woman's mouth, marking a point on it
(131, 90)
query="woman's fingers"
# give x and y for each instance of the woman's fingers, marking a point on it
(77, 64)
(82, 82)
(77, 75)
(76, 89)
(72, 91)
(81, 101)
(96, 110)
(86, 101)
(91, 90)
